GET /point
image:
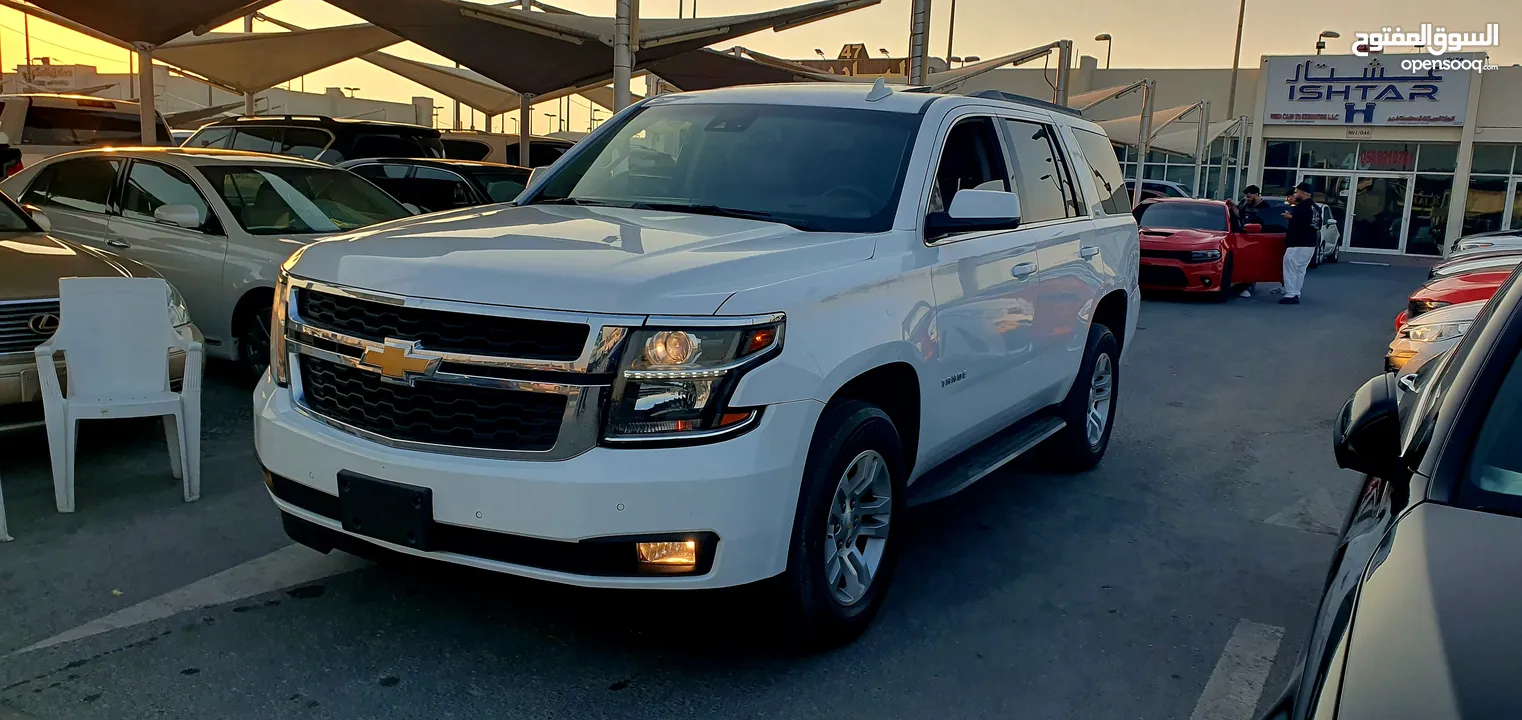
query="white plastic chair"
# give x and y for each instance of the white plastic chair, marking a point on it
(115, 334)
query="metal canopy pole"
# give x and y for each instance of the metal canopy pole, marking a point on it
(1201, 146)
(145, 99)
(623, 59)
(919, 42)
(525, 126)
(1064, 69)
(1241, 146)
(1144, 141)
(248, 97)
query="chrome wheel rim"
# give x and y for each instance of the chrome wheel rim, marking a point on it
(857, 530)
(1101, 391)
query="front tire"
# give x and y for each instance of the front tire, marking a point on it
(1224, 292)
(842, 554)
(253, 333)
(1089, 409)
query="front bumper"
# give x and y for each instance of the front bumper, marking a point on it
(1169, 274)
(519, 516)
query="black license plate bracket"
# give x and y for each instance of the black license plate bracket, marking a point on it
(393, 512)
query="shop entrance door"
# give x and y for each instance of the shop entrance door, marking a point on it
(1374, 211)
(1333, 191)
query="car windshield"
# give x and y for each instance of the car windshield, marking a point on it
(816, 168)
(274, 200)
(501, 185)
(1181, 216)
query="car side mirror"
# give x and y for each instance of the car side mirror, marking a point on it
(415, 210)
(1252, 228)
(185, 216)
(39, 217)
(1366, 438)
(975, 210)
(536, 173)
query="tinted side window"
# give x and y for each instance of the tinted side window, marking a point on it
(151, 186)
(83, 185)
(304, 142)
(441, 190)
(1039, 177)
(81, 127)
(971, 158)
(465, 149)
(390, 177)
(542, 154)
(1099, 156)
(258, 139)
(398, 146)
(216, 137)
(1270, 217)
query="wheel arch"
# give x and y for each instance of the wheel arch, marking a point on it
(1112, 311)
(891, 383)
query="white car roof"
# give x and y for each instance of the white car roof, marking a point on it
(195, 156)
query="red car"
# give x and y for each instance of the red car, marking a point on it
(1452, 290)
(1202, 246)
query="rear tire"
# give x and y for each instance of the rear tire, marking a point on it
(1091, 402)
(855, 447)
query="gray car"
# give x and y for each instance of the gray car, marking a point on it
(216, 223)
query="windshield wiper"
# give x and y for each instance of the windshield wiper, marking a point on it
(584, 201)
(700, 209)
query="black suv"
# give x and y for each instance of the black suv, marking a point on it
(325, 139)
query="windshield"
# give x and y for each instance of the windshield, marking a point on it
(500, 185)
(819, 169)
(1181, 215)
(275, 200)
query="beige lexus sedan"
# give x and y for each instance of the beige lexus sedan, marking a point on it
(31, 262)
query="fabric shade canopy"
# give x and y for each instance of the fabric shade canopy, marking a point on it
(467, 86)
(709, 69)
(1127, 130)
(257, 61)
(151, 21)
(1083, 100)
(192, 119)
(541, 53)
(1183, 141)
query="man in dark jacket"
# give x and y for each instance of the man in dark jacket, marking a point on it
(1300, 243)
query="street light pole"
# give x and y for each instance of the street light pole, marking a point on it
(951, 31)
(1108, 41)
(1231, 95)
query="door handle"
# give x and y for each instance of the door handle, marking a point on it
(1023, 270)
(118, 244)
(1088, 251)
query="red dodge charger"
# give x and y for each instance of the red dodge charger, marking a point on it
(1202, 246)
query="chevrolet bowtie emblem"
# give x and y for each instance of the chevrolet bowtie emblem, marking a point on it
(397, 361)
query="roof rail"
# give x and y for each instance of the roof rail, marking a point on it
(1023, 100)
(284, 117)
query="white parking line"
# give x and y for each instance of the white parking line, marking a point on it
(1365, 262)
(1235, 685)
(289, 566)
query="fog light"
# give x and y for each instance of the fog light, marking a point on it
(1206, 281)
(679, 553)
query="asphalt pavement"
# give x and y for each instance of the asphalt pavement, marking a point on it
(1177, 580)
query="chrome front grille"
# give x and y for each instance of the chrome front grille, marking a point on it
(496, 381)
(18, 323)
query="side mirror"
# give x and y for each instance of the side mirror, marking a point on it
(973, 211)
(1367, 434)
(536, 173)
(415, 210)
(39, 217)
(185, 216)
(1252, 228)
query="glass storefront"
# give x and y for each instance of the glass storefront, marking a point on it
(1179, 168)
(1493, 202)
(1386, 196)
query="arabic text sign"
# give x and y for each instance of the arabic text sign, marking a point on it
(1436, 41)
(1333, 90)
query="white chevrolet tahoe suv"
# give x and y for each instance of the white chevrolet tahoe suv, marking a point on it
(730, 337)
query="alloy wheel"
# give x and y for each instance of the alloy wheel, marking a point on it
(1101, 390)
(857, 531)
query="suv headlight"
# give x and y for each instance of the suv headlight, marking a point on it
(280, 362)
(674, 383)
(1436, 331)
(179, 315)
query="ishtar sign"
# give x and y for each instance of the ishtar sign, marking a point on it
(1349, 90)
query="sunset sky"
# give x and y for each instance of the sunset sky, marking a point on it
(1150, 33)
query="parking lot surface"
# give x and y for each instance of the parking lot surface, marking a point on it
(1177, 580)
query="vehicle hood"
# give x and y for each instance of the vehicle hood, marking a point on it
(1180, 239)
(31, 263)
(583, 259)
(1463, 312)
(1462, 288)
(1436, 633)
